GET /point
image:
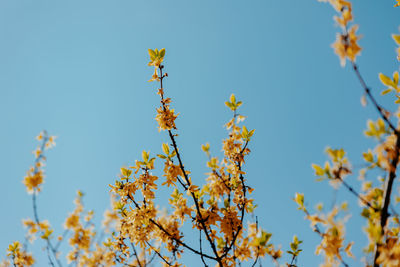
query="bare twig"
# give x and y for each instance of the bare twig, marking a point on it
(158, 254)
(136, 255)
(393, 164)
(201, 250)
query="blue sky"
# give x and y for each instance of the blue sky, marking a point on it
(79, 70)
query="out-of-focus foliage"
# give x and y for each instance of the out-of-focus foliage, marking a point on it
(220, 211)
(375, 196)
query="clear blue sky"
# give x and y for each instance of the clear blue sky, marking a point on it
(79, 69)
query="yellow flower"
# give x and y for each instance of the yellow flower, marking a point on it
(20, 258)
(166, 118)
(155, 76)
(33, 181)
(72, 221)
(346, 46)
(50, 142)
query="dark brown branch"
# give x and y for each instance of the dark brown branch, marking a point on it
(158, 254)
(379, 108)
(243, 208)
(201, 250)
(387, 194)
(292, 261)
(172, 237)
(353, 191)
(393, 165)
(258, 248)
(195, 200)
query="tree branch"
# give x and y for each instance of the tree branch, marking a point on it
(195, 200)
(393, 165)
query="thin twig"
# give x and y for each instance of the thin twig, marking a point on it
(355, 193)
(62, 239)
(201, 249)
(367, 91)
(319, 232)
(35, 212)
(158, 254)
(393, 164)
(136, 255)
(49, 244)
(195, 200)
(258, 247)
(49, 257)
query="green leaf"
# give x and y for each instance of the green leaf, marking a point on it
(232, 99)
(396, 38)
(152, 54)
(386, 80)
(165, 148)
(368, 157)
(226, 203)
(245, 132)
(384, 92)
(265, 236)
(206, 148)
(162, 52)
(365, 213)
(251, 133)
(396, 77)
(126, 172)
(230, 105)
(319, 171)
(145, 156)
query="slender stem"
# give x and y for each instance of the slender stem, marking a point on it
(292, 261)
(171, 236)
(49, 244)
(201, 250)
(195, 200)
(258, 248)
(158, 254)
(62, 239)
(393, 164)
(240, 227)
(367, 91)
(355, 193)
(35, 212)
(136, 255)
(387, 195)
(319, 232)
(49, 257)
(151, 259)
(13, 260)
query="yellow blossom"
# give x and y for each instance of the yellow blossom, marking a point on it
(346, 46)
(33, 181)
